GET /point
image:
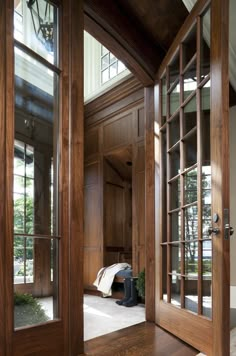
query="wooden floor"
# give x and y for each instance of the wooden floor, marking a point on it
(143, 339)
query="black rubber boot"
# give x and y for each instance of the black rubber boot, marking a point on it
(132, 301)
(127, 288)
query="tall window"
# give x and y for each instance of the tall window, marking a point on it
(36, 158)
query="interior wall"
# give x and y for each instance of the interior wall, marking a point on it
(114, 129)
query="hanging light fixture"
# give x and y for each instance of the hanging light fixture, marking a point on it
(42, 22)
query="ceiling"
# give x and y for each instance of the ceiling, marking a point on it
(139, 32)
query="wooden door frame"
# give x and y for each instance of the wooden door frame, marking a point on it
(220, 172)
(70, 327)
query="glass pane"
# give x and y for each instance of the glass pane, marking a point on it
(190, 187)
(36, 25)
(189, 46)
(175, 221)
(105, 75)
(121, 67)
(175, 194)
(19, 213)
(163, 99)
(190, 80)
(28, 309)
(174, 157)
(36, 120)
(29, 161)
(164, 270)
(19, 158)
(105, 61)
(191, 258)
(205, 44)
(175, 258)
(174, 69)
(207, 278)
(175, 290)
(190, 115)
(113, 70)
(175, 99)
(205, 121)
(206, 201)
(190, 150)
(174, 130)
(112, 58)
(191, 294)
(191, 223)
(19, 257)
(29, 260)
(104, 50)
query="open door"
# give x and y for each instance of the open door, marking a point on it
(193, 288)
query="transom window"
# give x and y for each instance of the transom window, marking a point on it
(110, 65)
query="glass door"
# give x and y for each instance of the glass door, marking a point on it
(190, 218)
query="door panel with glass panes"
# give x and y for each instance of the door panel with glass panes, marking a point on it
(186, 245)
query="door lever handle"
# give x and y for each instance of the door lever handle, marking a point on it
(228, 231)
(213, 230)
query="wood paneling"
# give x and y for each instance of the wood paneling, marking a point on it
(93, 259)
(91, 144)
(121, 98)
(138, 210)
(91, 174)
(121, 134)
(150, 203)
(141, 123)
(38, 341)
(118, 132)
(92, 216)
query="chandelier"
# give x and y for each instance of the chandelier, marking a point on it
(42, 17)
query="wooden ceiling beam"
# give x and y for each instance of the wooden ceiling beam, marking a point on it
(108, 23)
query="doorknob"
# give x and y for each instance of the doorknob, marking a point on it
(213, 230)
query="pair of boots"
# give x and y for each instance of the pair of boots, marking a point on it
(130, 298)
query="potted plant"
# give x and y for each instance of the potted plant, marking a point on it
(140, 284)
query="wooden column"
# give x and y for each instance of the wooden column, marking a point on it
(76, 216)
(2, 173)
(150, 205)
(220, 173)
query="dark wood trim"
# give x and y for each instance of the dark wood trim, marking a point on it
(220, 173)
(3, 238)
(76, 210)
(9, 154)
(119, 43)
(199, 6)
(112, 96)
(150, 204)
(122, 97)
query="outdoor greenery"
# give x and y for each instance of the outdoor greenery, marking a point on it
(140, 284)
(28, 310)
